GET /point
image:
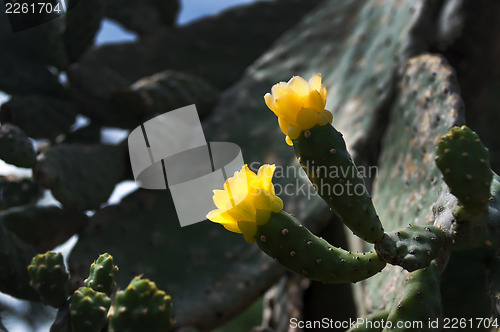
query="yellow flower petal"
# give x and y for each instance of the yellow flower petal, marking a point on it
(289, 101)
(246, 201)
(307, 117)
(269, 99)
(284, 124)
(299, 86)
(315, 82)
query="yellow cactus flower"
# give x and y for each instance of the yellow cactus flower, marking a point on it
(299, 105)
(246, 201)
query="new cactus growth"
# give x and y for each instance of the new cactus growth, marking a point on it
(89, 310)
(49, 278)
(102, 273)
(465, 164)
(140, 307)
(413, 247)
(418, 303)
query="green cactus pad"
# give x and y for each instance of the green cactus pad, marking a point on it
(89, 310)
(102, 274)
(15, 255)
(39, 116)
(413, 247)
(218, 49)
(83, 21)
(164, 91)
(294, 246)
(323, 155)
(50, 278)
(81, 176)
(144, 236)
(464, 282)
(372, 323)
(22, 73)
(465, 164)
(17, 191)
(143, 17)
(408, 184)
(45, 41)
(43, 227)
(418, 301)
(140, 307)
(15, 147)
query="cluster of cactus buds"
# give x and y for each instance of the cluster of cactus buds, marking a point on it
(141, 306)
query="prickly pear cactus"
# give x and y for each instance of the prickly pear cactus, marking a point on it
(418, 303)
(89, 310)
(43, 227)
(102, 274)
(391, 101)
(428, 104)
(200, 289)
(15, 147)
(81, 176)
(49, 278)
(413, 247)
(16, 256)
(465, 164)
(141, 306)
(40, 116)
(18, 191)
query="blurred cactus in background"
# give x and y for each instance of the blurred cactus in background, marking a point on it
(403, 78)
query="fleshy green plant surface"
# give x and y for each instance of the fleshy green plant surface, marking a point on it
(427, 225)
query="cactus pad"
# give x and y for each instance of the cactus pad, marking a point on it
(427, 105)
(144, 17)
(164, 91)
(89, 310)
(294, 246)
(140, 307)
(218, 49)
(15, 255)
(102, 274)
(49, 278)
(323, 155)
(81, 176)
(39, 116)
(413, 247)
(201, 266)
(418, 301)
(465, 164)
(43, 227)
(15, 147)
(17, 191)
(82, 23)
